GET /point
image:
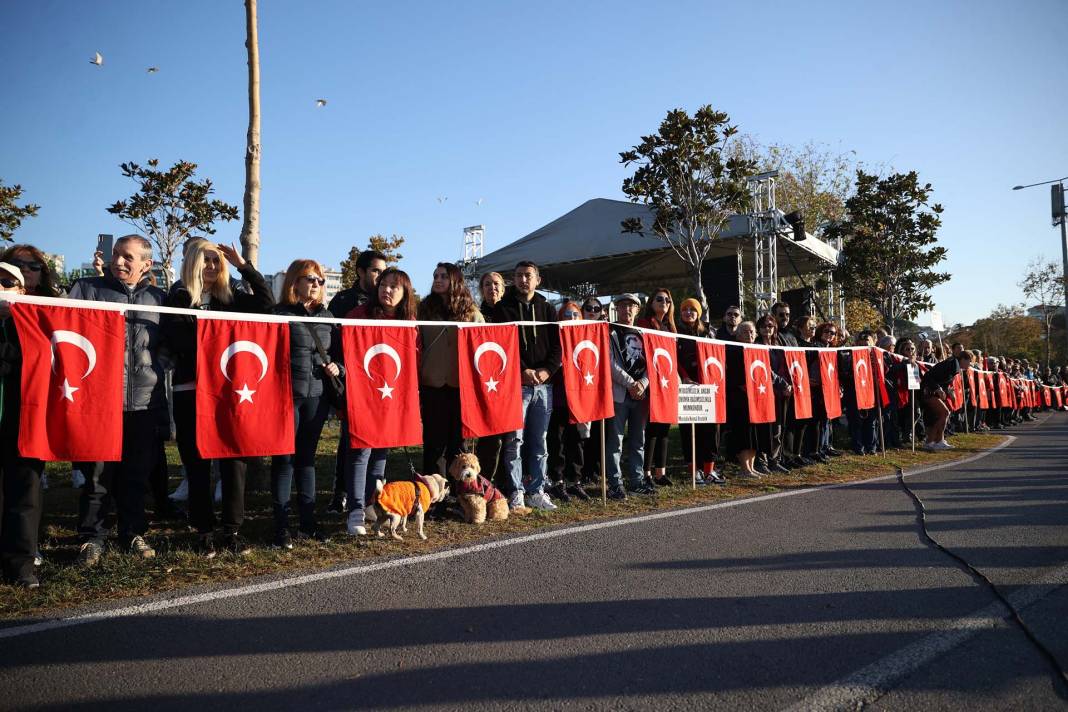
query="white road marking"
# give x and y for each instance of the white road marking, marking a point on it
(252, 589)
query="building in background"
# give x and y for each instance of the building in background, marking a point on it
(58, 263)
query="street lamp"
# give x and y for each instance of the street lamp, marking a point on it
(1057, 209)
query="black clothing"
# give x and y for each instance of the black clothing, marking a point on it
(305, 364)
(348, 299)
(940, 375)
(487, 311)
(723, 335)
(787, 338)
(442, 431)
(539, 346)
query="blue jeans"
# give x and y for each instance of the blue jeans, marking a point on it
(363, 468)
(631, 417)
(528, 446)
(309, 414)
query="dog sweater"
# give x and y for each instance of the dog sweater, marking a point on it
(483, 487)
(399, 497)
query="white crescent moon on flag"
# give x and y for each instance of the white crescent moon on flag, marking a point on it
(73, 337)
(800, 371)
(377, 350)
(582, 346)
(714, 361)
(495, 348)
(663, 352)
(237, 347)
(862, 362)
(753, 365)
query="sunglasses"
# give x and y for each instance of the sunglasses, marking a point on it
(595, 309)
(9, 282)
(733, 315)
(31, 266)
(311, 279)
(572, 314)
(662, 299)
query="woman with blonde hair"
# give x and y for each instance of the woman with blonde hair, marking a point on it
(310, 364)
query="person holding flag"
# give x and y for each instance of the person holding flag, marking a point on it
(933, 387)
(630, 386)
(660, 316)
(741, 433)
(830, 405)
(706, 435)
(566, 439)
(769, 435)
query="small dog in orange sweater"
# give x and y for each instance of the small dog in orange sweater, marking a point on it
(401, 499)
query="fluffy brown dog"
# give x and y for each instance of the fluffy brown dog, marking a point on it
(478, 497)
(401, 499)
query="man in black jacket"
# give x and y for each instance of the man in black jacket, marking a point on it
(144, 405)
(539, 357)
(731, 319)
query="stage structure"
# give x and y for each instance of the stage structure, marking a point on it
(586, 251)
(472, 254)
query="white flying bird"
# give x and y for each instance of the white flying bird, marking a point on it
(479, 201)
(152, 70)
(442, 199)
(97, 59)
(320, 103)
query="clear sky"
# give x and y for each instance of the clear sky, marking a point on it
(526, 106)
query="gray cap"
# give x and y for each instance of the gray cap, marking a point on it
(628, 297)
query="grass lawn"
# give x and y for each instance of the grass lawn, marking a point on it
(175, 566)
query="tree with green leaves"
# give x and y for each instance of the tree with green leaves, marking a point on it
(11, 213)
(348, 268)
(388, 246)
(692, 181)
(1044, 282)
(890, 249)
(170, 205)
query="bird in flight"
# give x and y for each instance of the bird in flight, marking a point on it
(479, 201)
(320, 103)
(97, 59)
(152, 70)
(442, 199)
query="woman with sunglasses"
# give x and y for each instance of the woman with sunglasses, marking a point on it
(826, 337)
(659, 315)
(771, 453)
(741, 434)
(565, 439)
(704, 437)
(303, 291)
(206, 286)
(593, 310)
(39, 278)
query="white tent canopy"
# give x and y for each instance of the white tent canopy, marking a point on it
(588, 245)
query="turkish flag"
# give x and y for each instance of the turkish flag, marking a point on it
(1046, 397)
(956, 393)
(973, 398)
(797, 366)
(661, 354)
(862, 379)
(879, 369)
(832, 393)
(991, 394)
(244, 395)
(72, 370)
(1003, 391)
(711, 358)
(758, 384)
(587, 365)
(491, 392)
(382, 385)
(980, 388)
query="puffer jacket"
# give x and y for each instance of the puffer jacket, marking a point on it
(142, 377)
(305, 364)
(10, 378)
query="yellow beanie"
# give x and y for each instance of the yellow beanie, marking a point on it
(693, 303)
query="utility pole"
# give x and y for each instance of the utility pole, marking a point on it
(1057, 210)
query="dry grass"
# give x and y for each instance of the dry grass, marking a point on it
(120, 576)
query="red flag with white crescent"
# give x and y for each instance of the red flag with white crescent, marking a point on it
(973, 397)
(797, 366)
(956, 393)
(491, 392)
(759, 387)
(587, 365)
(711, 358)
(832, 392)
(878, 364)
(1003, 391)
(862, 379)
(981, 390)
(991, 392)
(382, 385)
(661, 356)
(72, 369)
(244, 392)
(1047, 399)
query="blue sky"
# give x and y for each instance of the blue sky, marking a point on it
(526, 106)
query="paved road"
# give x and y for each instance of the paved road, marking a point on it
(823, 599)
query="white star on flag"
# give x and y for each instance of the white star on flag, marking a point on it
(491, 385)
(589, 378)
(387, 391)
(68, 390)
(762, 388)
(830, 369)
(663, 383)
(246, 394)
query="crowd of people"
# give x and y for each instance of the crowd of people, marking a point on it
(549, 458)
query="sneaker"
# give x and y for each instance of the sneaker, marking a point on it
(516, 501)
(831, 452)
(38, 558)
(945, 445)
(77, 479)
(236, 545)
(699, 480)
(313, 536)
(181, 492)
(560, 492)
(140, 548)
(663, 481)
(779, 468)
(337, 503)
(761, 468)
(642, 488)
(89, 554)
(205, 545)
(616, 492)
(354, 524)
(540, 500)
(283, 541)
(28, 582)
(714, 478)
(578, 492)
(932, 447)
(754, 476)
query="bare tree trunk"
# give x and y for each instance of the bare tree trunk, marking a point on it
(699, 289)
(250, 228)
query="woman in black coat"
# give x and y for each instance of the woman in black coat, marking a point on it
(303, 290)
(206, 285)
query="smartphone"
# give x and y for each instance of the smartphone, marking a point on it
(104, 244)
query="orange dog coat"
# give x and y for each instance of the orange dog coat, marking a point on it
(399, 497)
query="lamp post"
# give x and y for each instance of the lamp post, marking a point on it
(1058, 211)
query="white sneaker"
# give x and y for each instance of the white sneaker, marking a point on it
(77, 479)
(354, 524)
(181, 492)
(945, 445)
(218, 490)
(516, 501)
(540, 500)
(933, 447)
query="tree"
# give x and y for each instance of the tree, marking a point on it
(250, 228)
(11, 213)
(388, 246)
(1044, 282)
(170, 205)
(1007, 332)
(860, 315)
(889, 238)
(692, 181)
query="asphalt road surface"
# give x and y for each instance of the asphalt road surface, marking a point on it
(819, 600)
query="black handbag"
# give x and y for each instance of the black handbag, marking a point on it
(333, 386)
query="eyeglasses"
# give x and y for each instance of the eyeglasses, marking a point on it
(312, 279)
(30, 266)
(9, 282)
(572, 314)
(593, 309)
(662, 299)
